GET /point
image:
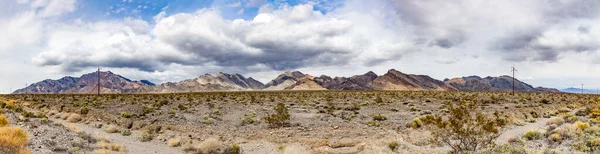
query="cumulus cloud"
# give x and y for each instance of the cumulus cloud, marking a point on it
(288, 38)
(380, 34)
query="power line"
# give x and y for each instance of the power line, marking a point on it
(513, 69)
(98, 81)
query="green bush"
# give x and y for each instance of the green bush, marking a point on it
(280, 118)
(532, 135)
(126, 115)
(84, 110)
(393, 145)
(379, 117)
(145, 137)
(463, 132)
(373, 123)
(125, 132)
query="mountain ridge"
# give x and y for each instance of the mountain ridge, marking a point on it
(289, 80)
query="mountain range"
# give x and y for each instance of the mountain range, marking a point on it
(291, 80)
(578, 90)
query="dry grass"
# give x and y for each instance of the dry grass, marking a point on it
(581, 125)
(211, 145)
(109, 146)
(555, 137)
(174, 142)
(3, 121)
(112, 129)
(74, 118)
(556, 121)
(64, 116)
(13, 139)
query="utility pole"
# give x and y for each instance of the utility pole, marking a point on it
(98, 80)
(581, 88)
(26, 89)
(513, 79)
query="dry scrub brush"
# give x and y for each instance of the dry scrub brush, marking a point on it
(12, 139)
(465, 129)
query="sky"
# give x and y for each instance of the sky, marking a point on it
(552, 43)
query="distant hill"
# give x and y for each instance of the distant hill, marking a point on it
(290, 80)
(501, 83)
(578, 90)
(208, 82)
(396, 80)
(86, 84)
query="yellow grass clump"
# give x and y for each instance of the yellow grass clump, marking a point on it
(211, 145)
(112, 129)
(3, 121)
(12, 139)
(581, 125)
(174, 142)
(556, 120)
(74, 118)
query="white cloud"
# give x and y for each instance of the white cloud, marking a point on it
(439, 38)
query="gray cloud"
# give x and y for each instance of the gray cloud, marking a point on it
(281, 40)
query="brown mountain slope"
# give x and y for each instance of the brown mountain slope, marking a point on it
(501, 83)
(306, 83)
(217, 82)
(357, 82)
(395, 80)
(284, 80)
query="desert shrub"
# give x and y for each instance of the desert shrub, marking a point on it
(581, 125)
(555, 137)
(556, 121)
(591, 145)
(416, 123)
(3, 121)
(532, 135)
(594, 131)
(463, 132)
(280, 118)
(73, 118)
(182, 107)
(174, 142)
(567, 131)
(570, 118)
(551, 151)
(126, 114)
(125, 132)
(379, 117)
(147, 109)
(145, 137)
(393, 145)
(234, 149)
(41, 115)
(13, 140)
(209, 146)
(515, 140)
(112, 129)
(27, 114)
(506, 148)
(413, 108)
(249, 119)
(104, 146)
(84, 110)
(373, 123)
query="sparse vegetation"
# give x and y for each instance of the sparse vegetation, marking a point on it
(280, 117)
(388, 113)
(463, 132)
